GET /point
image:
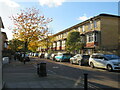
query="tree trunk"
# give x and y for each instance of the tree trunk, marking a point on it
(25, 48)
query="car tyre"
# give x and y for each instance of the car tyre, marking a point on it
(55, 60)
(91, 65)
(109, 68)
(80, 64)
(60, 60)
(71, 61)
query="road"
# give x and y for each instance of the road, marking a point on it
(98, 77)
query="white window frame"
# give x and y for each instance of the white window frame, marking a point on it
(83, 28)
(92, 37)
(54, 44)
(63, 42)
(58, 44)
(79, 29)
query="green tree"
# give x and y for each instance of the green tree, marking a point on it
(74, 42)
(15, 45)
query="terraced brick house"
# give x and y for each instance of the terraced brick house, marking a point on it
(100, 34)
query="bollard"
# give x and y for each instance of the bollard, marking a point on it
(85, 82)
(43, 69)
(38, 69)
(24, 60)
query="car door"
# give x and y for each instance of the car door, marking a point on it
(102, 61)
(94, 60)
(74, 59)
(79, 57)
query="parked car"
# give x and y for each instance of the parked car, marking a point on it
(52, 57)
(41, 55)
(36, 54)
(22, 57)
(47, 55)
(107, 61)
(80, 59)
(32, 54)
(63, 57)
(5, 60)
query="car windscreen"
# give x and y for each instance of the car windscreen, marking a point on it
(86, 56)
(100, 57)
(67, 54)
(111, 57)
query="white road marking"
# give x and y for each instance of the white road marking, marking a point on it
(47, 70)
(35, 66)
(51, 71)
(55, 67)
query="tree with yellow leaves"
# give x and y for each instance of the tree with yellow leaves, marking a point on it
(33, 46)
(30, 26)
(47, 42)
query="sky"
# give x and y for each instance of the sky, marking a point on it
(65, 13)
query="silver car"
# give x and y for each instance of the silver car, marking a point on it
(80, 59)
(108, 61)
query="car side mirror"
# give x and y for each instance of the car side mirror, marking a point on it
(104, 59)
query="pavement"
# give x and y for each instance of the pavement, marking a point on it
(18, 75)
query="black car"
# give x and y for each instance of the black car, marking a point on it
(24, 57)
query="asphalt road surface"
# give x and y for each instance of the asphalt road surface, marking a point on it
(97, 77)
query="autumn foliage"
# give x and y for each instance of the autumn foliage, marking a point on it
(30, 26)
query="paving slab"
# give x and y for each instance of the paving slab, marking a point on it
(17, 75)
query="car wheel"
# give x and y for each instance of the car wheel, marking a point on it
(80, 63)
(71, 61)
(60, 60)
(91, 65)
(55, 60)
(109, 68)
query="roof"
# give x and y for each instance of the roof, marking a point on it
(1, 23)
(109, 15)
(75, 26)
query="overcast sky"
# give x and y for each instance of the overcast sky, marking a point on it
(65, 13)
